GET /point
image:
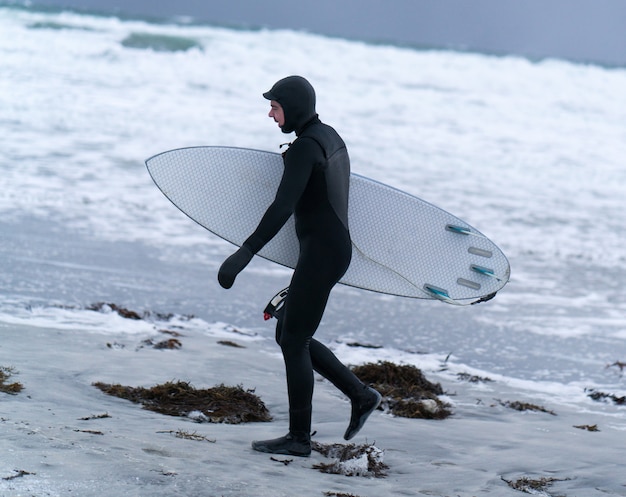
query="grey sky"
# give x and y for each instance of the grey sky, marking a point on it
(582, 30)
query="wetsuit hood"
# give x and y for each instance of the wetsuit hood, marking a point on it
(297, 98)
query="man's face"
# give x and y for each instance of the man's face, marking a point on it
(277, 113)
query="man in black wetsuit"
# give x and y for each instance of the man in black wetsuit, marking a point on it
(314, 187)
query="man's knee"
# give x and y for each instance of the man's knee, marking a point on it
(293, 342)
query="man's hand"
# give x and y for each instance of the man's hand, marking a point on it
(233, 266)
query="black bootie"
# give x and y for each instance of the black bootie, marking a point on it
(297, 442)
(292, 444)
(363, 404)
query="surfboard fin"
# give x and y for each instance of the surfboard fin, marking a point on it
(440, 294)
(484, 271)
(457, 229)
(462, 230)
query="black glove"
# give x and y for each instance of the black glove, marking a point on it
(233, 266)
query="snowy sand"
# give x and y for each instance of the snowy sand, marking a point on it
(135, 451)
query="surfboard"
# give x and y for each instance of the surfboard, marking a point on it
(402, 245)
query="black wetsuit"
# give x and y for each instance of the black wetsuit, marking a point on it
(314, 188)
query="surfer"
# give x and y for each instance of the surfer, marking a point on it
(314, 187)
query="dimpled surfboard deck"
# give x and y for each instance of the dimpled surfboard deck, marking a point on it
(401, 245)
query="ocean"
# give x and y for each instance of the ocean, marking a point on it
(531, 153)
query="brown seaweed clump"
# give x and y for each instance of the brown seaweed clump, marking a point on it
(406, 391)
(134, 315)
(351, 460)
(587, 427)
(601, 396)
(18, 474)
(525, 406)
(532, 486)
(122, 311)
(220, 404)
(10, 388)
(473, 378)
(619, 364)
(170, 343)
(229, 343)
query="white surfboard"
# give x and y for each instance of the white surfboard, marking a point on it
(402, 245)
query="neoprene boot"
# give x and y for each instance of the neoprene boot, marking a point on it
(297, 442)
(292, 444)
(363, 404)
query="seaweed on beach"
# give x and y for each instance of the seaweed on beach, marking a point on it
(186, 435)
(95, 416)
(532, 486)
(134, 315)
(229, 343)
(601, 396)
(351, 460)
(122, 311)
(363, 345)
(170, 343)
(406, 391)
(18, 474)
(220, 404)
(618, 364)
(90, 432)
(11, 388)
(587, 427)
(473, 378)
(525, 406)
